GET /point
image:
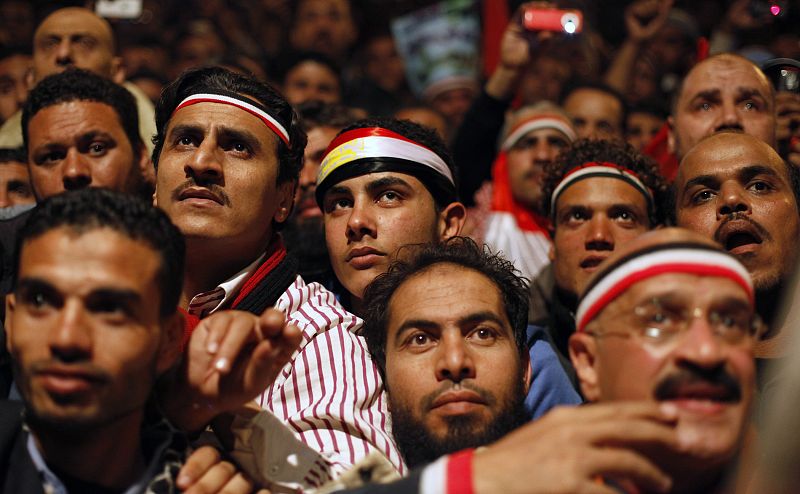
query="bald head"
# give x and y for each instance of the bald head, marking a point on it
(75, 37)
(723, 92)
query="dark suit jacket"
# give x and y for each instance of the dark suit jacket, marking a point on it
(18, 474)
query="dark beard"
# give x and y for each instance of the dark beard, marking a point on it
(419, 447)
(305, 239)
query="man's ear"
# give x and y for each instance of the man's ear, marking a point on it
(583, 353)
(451, 220)
(117, 70)
(286, 193)
(527, 375)
(171, 343)
(671, 141)
(11, 303)
(145, 164)
(551, 252)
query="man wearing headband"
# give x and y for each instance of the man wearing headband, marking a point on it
(735, 189)
(384, 183)
(601, 195)
(228, 153)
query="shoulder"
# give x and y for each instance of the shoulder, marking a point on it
(314, 309)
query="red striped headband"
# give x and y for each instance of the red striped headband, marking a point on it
(696, 259)
(243, 103)
(537, 122)
(600, 169)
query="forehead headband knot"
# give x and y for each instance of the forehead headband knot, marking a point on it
(600, 169)
(538, 122)
(243, 103)
(375, 149)
(696, 259)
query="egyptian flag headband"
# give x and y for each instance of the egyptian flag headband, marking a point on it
(600, 169)
(375, 149)
(688, 258)
(243, 103)
(537, 122)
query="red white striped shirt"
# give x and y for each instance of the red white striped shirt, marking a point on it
(330, 393)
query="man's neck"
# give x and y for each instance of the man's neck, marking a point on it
(768, 304)
(108, 456)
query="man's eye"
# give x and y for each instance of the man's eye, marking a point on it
(51, 157)
(484, 334)
(702, 196)
(760, 186)
(420, 339)
(36, 299)
(704, 106)
(240, 147)
(20, 189)
(184, 141)
(97, 148)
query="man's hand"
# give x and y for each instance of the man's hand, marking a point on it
(738, 18)
(575, 449)
(205, 472)
(232, 357)
(644, 18)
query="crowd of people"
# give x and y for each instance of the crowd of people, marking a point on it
(242, 252)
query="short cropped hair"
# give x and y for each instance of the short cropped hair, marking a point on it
(575, 84)
(81, 85)
(458, 251)
(618, 152)
(18, 155)
(93, 208)
(208, 79)
(314, 113)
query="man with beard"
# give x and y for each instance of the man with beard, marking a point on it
(666, 330)
(305, 233)
(736, 189)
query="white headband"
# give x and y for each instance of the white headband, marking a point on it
(594, 169)
(536, 123)
(686, 259)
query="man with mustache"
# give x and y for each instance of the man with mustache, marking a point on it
(228, 154)
(664, 350)
(736, 189)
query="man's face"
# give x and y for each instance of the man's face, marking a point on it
(596, 114)
(726, 94)
(447, 336)
(527, 159)
(305, 202)
(13, 86)
(75, 37)
(709, 378)
(15, 185)
(81, 144)
(84, 327)
(641, 129)
(311, 81)
(369, 217)
(592, 217)
(736, 190)
(453, 104)
(217, 177)
(324, 26)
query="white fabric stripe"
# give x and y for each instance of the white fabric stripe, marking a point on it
(698, 257)
(381, 147)
(234, 101)
(527, 250)
(590, 170)
(433, 479)
(536, 124)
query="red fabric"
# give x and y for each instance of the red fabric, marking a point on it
(459, 472)
(367, 132)
(495, 20)
(503, 199)
(190, 322)
(658, 149)
(702, 48)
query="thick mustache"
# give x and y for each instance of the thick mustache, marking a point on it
(718, 377)
(88, 370)
(213, 188)
(740, 216)
(487, 397)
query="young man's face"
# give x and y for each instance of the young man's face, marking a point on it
(596, 114)
(704, 365)
(81, 144)
(217, 177)
(15, 185)
(736, 189)
(369, 217)
(84, 327)
(447, 338)
(527, 160)
(592, 218)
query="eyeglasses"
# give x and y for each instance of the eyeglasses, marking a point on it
(659, 323)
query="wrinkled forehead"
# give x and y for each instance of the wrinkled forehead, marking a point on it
(725, 76)
(729, 155)
(70, 22)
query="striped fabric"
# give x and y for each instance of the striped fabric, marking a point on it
(330, 392)
(527, 249)
(204, 303)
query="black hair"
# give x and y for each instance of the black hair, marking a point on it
(210, 79)
(441, 189)
(9, 51)
(458, 251)
(93, 208)
(618, 152)
(8, 155)
(576, 84)
(314, 113)
(293, 59)
(81, 85)
(650, 107)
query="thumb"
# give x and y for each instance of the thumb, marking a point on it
(271, 323)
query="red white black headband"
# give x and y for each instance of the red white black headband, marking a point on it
(699, 259)
(600, 169)
(537, 122)
(375, 149)
(243, 103)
